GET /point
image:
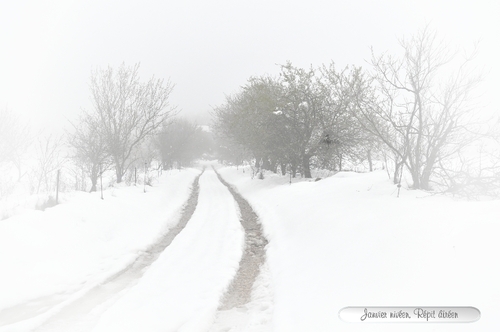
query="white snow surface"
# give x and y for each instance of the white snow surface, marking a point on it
(348, 240)
(50, 258)
(343, 241)
(182, 289)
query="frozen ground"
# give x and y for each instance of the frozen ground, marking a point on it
(342, 241)
(348, 241)
(181, 291)
(248, 302)
(50, 259)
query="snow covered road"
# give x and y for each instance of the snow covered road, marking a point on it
(248, 304)
(345, 240)
(206, 261)
(182, 289)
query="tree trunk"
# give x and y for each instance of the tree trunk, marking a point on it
(370, 162)
(397, 170)
(425, 180)
(283, 168)
(259, 162)
(306, 167)
(416, 179)
(274, 165)
(266, 164)
(293, 168)
(94, 175)
(119, 173)
(427, 172)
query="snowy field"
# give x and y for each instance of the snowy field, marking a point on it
(343, 241)
(49, 259)
(348, 241)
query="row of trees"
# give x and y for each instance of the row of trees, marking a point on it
(181, 142)
(298, 118)
(412, 110)
(417, 110)
(126, 111)
(132, 122)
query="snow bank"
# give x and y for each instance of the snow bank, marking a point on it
(181, 290)
(348, 241)
(48, 257)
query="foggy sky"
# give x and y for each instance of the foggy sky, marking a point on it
(210, 48)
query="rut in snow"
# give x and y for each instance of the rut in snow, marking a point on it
(240, 291)
(79, 311)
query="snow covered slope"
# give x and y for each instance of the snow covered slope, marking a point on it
(50, 258)
(342, 241)
(348, 241)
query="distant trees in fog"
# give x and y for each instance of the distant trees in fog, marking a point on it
(180, 142)
(126, 111)
(15, 140)
(28, 162)
(132, 124)
(414, 109)
(49, 159)
(89, 145)
(300, 117)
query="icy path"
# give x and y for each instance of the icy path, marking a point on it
(247, 306)
(182, 289)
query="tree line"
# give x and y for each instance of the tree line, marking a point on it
(300, 118)
(132, 122)
(416, 111)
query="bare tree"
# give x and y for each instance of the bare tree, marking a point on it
(128, 110)
(15, 139)
(90, 150)
(421, 112)
(345, 138)
(48, 160)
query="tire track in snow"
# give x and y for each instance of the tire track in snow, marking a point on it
(252, 275)
(83, 313)
(182, 290)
